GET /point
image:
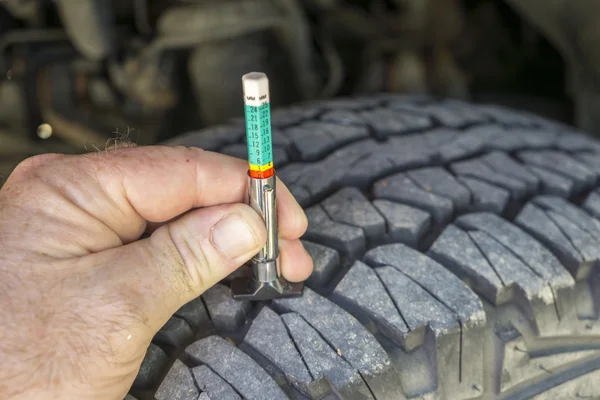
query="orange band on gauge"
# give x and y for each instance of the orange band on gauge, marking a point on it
(262, 173)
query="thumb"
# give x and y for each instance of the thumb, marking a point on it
(180, 260)
(206, 245)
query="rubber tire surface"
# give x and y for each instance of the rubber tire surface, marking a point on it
(455, 248)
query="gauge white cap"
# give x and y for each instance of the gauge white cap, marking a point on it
(256, 88)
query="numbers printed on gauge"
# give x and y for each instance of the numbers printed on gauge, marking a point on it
(259, 136)
(258, 125)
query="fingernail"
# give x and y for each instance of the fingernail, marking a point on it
(234, 237)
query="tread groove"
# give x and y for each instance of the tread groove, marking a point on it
(216, 373)
(387, 292)
(424, 188)
(453, 312)
(484, 255)
(367, 384)
(445, 196)
(287, 329)
(551, 167)
(346, 224)
(562, 231)
(337, 351)
(194, 381)
(569, 216)
(509, 173)
(386, 224)
(466, 228)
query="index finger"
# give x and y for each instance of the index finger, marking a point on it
(121, 188)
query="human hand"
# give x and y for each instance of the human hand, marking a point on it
(81, 297)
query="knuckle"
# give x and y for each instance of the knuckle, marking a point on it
(31, 164)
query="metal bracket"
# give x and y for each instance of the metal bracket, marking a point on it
(251, 289)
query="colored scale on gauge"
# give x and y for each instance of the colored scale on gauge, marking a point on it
(258, 125)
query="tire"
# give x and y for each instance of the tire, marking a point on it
(455, 250)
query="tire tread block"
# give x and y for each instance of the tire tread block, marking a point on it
(424, 312)
(314, 140)
(437, 137)
(434, 278)
(235, 367)
(478, 169)
(418, 307)
(340, 330)
(386, 122)
(439, 181)
(572, 141)
(465, 110)
(282, 118)
(350, 103)
(325, 263)
(269, 337)
(367, 169)
(563, 164)
(349, 206)
(350, 241)
(486, 197)
(213, 385)
(343, 118)
(328, 174)
(586, 244)
(301, 194)
(279, 139)
(178, 384)
(522, 138)
(194, 313)
(176, 332)
(410, 151)
(362, 162)
(152, 364)
(535, 221)
(525, 247)
(592, 204)
(401, 188)
(591, 160)
(450, 114)
(575, 214)
(405, 224)
(226, 313)
(361, 289)
(502, 163)
(456, 251)
(506, 115)
(359, 164)
(552, 182)
(582, 229)
(469, 143)
(511, 269)
(322, 360)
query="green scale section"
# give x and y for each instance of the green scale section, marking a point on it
(258, 135)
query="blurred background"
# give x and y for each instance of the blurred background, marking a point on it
(75, 74)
